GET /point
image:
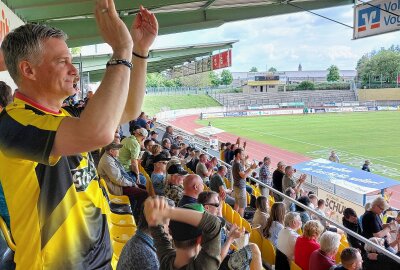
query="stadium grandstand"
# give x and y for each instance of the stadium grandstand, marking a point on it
(96, 183)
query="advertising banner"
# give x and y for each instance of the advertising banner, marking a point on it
(376, 17)
(336, 205)
(347, 177)
(222, 60)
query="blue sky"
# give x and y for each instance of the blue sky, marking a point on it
(287, 40)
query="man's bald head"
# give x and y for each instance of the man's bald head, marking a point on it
(193, 185)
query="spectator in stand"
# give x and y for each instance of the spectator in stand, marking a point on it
(350, 221)
(239, 180)
(212, 164)
(139, 253)
(307, 243)
(334, 157)
(375, 260)
(277, 178)
(159, 173)
(265, 176)
(227, 152)
(195, 235)
(148, 144)
(192, 187)
(221, 151)
(154, 136)
(217, 184)
(201, 169)
(166, 145)
(174, 187)
(290, 206)
(365, 166)
(169, 134)
(289, 180)
(174, 150)
(314, 201)
(5, 99)
(288, 235)
(248, 256)
(261, 214)
(351, 260)
(129, 154)
(5, 95)
(275, 222)
(155, 150)
(118, 181)
(324, 258)
(304, 215)
(142, 121)
(372, 223)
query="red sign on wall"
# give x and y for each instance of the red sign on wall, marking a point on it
(222, 60)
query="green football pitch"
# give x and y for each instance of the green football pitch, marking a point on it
(354, 136)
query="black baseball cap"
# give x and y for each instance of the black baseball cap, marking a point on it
(177, 168)
(161, 157)
(182, 231)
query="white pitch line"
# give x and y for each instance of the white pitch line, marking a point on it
(313, 144)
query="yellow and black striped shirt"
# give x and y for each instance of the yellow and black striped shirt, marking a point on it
(57, 209)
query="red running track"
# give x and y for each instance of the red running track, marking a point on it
(258, 150)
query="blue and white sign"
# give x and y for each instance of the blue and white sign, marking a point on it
(352, 179)
(376, 17)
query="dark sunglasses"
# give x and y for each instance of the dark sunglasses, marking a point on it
(212, 204)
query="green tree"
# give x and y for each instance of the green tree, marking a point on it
(253, 69)
(305, 85)
(333, 74)
(226, 77)
(214, 78)
(76, 51)
(382, 66)
(272, 69)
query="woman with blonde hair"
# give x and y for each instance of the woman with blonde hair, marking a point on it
(261, 215)
(275, 222)
(307, 243)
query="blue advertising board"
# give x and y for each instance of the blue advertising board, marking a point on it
(345, 177)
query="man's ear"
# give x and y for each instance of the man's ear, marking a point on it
(27, 70)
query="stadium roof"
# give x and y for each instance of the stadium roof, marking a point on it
(77, 20)
(160, 59)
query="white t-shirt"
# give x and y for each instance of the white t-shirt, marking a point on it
(286, 242)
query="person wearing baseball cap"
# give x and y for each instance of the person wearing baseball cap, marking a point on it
(174, 187)
(118, 181)
(195, 235)
(154, 136)
(158, 176)
(130, 152)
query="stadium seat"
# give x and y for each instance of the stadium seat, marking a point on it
(122, 234)
(268, 252)
(300, 231)
(294, 266)
(229, 214)
(7, 234)
(337, 258)
(248, 197)
(114, 198)
(246, 225)
(237, 219)
(122, 220)
(227, 183)
(117, 248)
(344, 241)
(224, 209)
(256, 238)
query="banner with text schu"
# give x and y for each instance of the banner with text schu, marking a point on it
(222, 60)
(376, 17)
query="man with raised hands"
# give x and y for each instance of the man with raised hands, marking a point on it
(50, 182)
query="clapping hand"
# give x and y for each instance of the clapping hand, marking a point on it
(144, 30)
(113, 29)
(235, 232)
